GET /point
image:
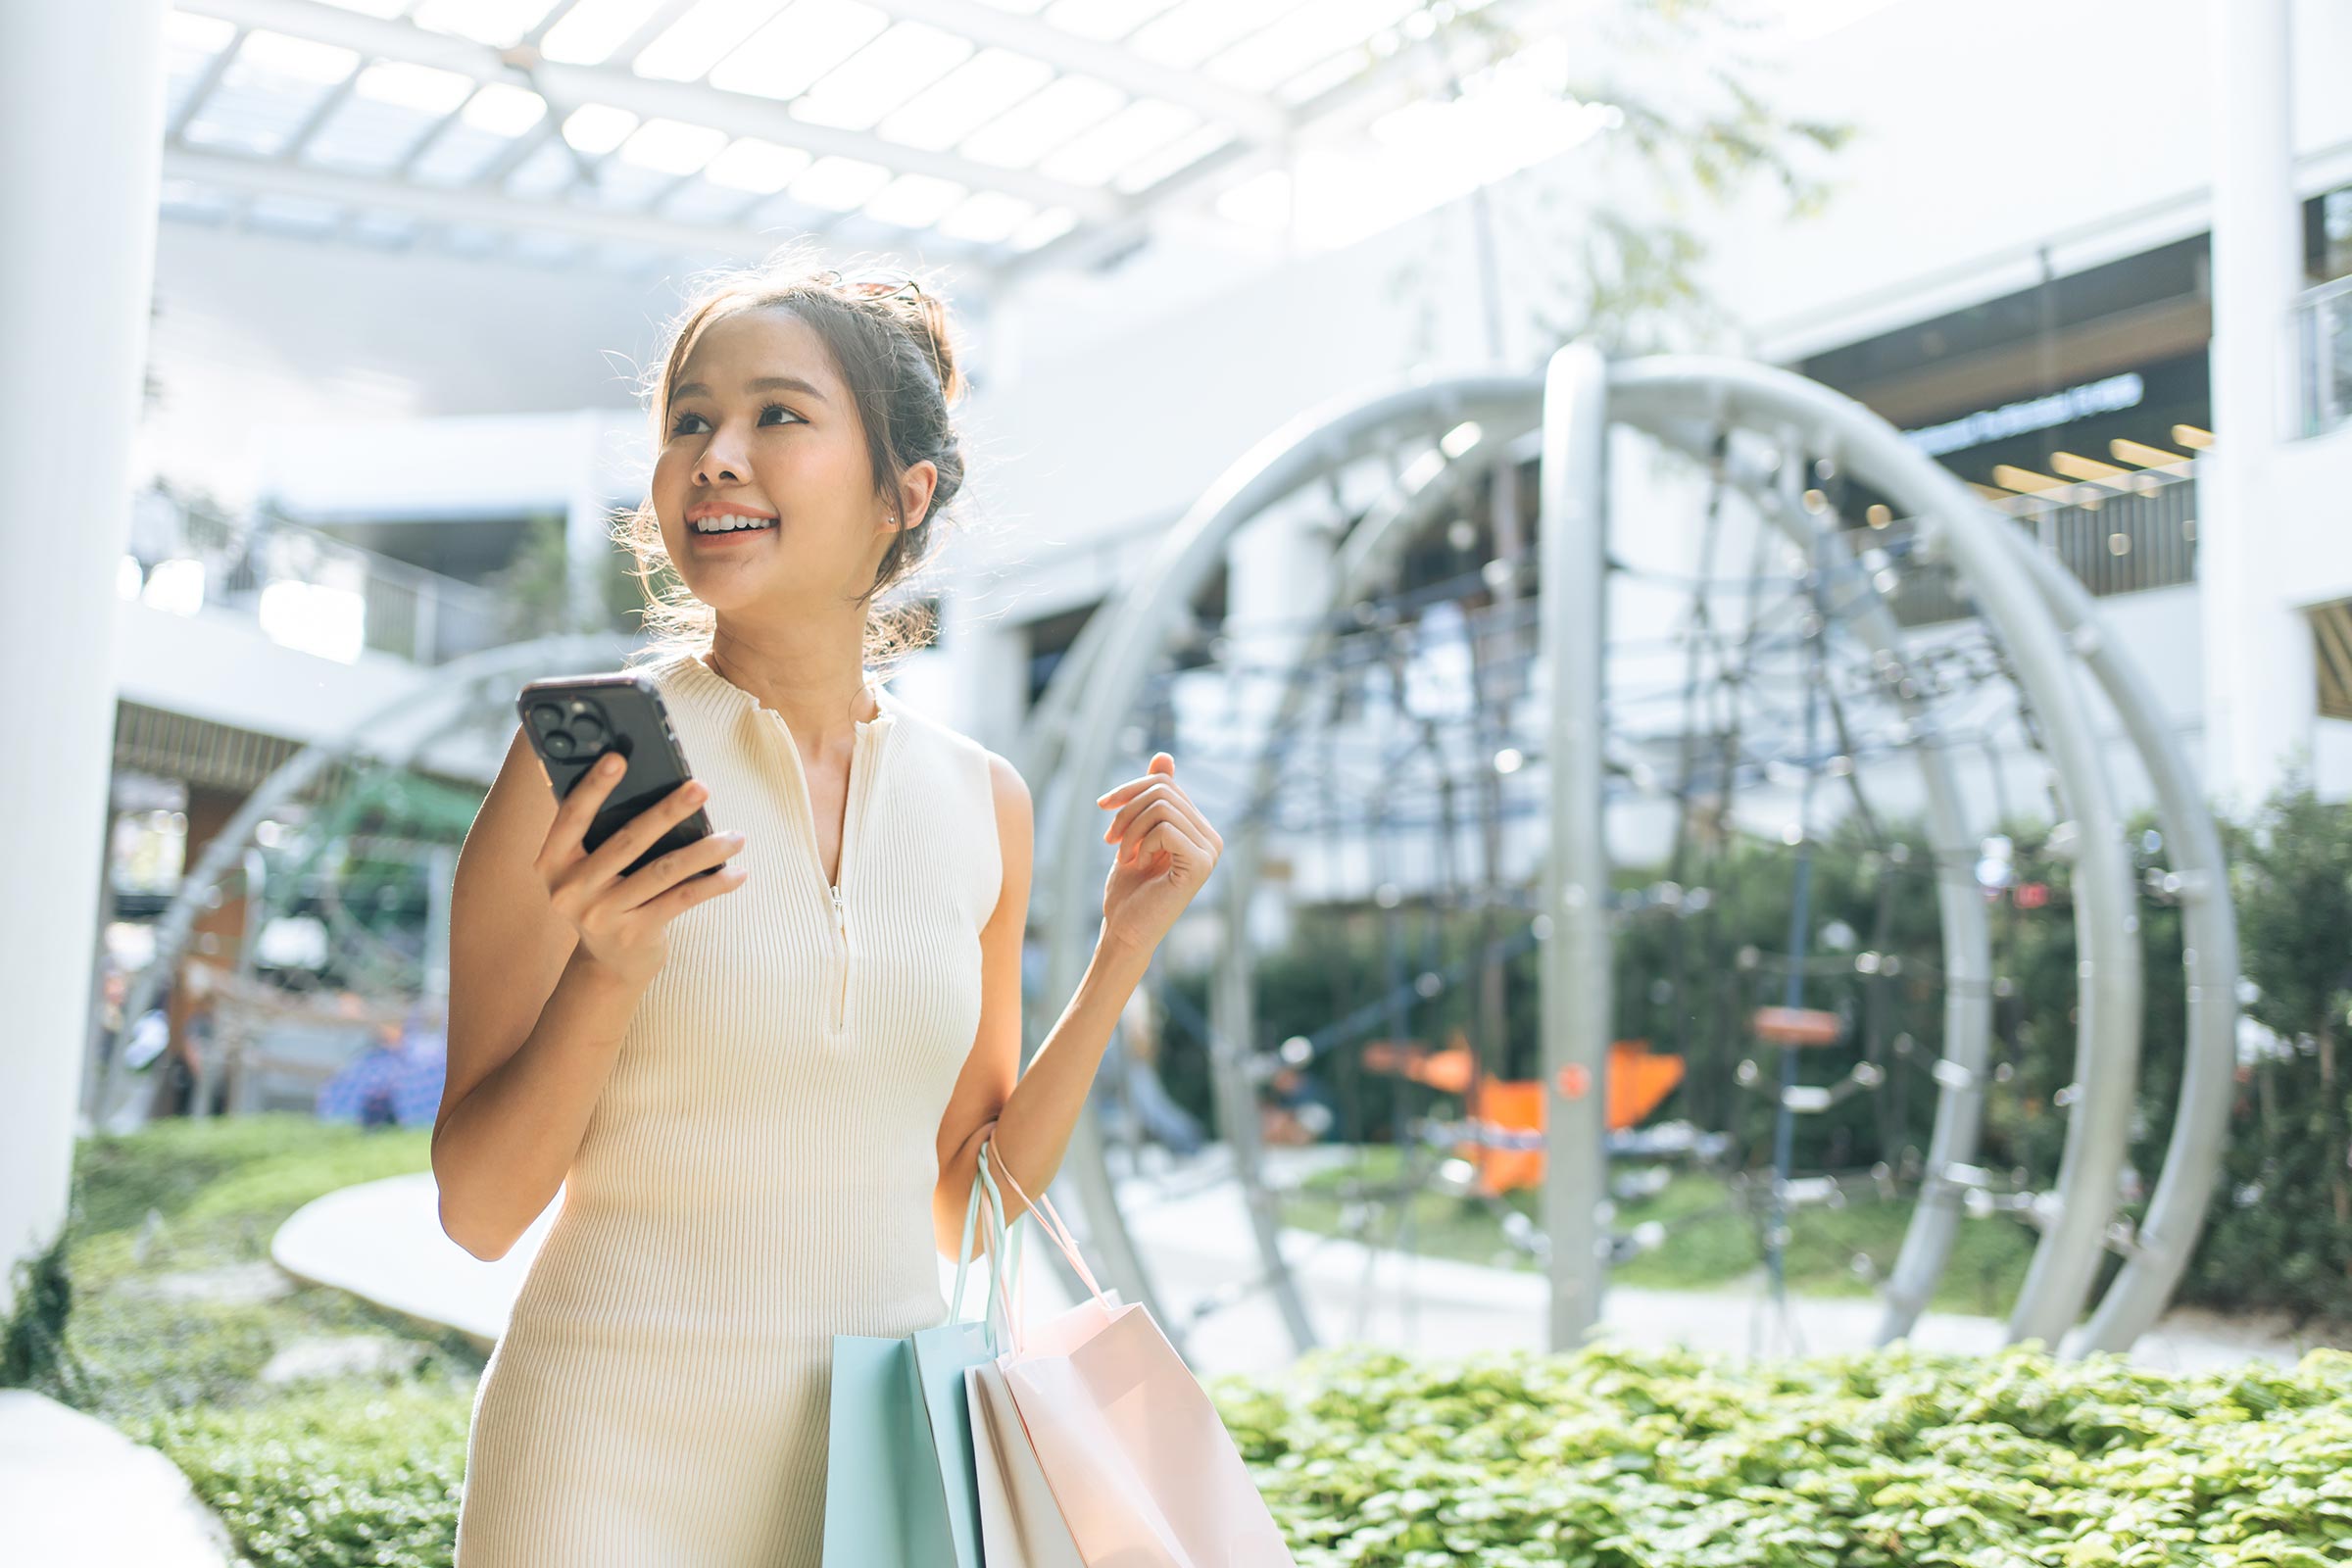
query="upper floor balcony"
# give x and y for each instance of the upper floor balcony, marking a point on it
(2118, 535)
(304, 588)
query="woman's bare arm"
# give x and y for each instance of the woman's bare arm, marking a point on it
(502, 1151)
(536, 1016)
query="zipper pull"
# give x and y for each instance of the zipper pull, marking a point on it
(836, 911)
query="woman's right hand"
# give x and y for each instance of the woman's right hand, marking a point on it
(623, 921)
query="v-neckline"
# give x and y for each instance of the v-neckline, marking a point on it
(870, 733)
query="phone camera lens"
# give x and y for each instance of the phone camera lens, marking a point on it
(560, 744)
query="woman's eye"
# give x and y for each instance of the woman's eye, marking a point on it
(684, 420)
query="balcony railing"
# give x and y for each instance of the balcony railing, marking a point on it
(2120, 536)
(307, 589)
(2323, 342)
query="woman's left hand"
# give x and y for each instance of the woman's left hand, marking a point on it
(1166, 850)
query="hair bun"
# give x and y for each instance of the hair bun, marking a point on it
(940, 342)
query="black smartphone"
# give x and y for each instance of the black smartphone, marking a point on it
(574, 721)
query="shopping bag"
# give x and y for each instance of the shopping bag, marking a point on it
(1020, 1524)
(900, 1486)
(1140, 1467)
(941, 1356)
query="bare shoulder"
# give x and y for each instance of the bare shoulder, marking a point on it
(1011, 789)
(1016, 830)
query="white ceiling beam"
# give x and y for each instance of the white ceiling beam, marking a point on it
(735, 113)
(1255, 116)
(262, 176)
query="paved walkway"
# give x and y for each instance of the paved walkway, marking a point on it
(383, 1242)
(72, 1490)
(1199, 1239)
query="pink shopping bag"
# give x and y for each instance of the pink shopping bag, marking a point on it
(1020, 1524)
(1143, 1471)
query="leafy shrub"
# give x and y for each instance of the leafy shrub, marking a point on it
(331, 1478)
(1615, 1458)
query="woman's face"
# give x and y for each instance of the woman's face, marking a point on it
(760, 422)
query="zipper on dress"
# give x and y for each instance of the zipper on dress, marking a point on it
(863, 761)
(840, 928)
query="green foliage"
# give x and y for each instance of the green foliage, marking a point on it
(329, 1478)
(360, 1469)
(34, 1353)
(1615, 1458)
(2278, 1234)
(223, 1186)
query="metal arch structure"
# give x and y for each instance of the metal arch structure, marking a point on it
(2156, 1257)
(1965, 1066)
(2039, 613)
(421, 715)
(1648, 394)
(1069, 740)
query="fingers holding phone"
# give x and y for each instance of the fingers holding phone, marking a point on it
(629, 849)
(622, 919)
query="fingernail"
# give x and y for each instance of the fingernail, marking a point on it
(611, 763)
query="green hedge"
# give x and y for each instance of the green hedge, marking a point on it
(1896, 1458)
(335, 1476)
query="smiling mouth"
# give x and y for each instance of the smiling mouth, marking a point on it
(731, 525)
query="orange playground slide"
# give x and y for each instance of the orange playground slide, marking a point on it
(1639, 1081)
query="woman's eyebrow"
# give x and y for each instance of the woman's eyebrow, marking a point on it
(765, 383)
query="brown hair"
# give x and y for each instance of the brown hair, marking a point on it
(892, 348)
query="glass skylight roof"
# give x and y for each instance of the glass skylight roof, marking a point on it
(634, 132)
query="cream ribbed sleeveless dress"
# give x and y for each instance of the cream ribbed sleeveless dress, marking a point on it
(756, 1175)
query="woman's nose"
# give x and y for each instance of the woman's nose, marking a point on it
(721, 462)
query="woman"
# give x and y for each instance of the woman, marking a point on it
(762, 1090)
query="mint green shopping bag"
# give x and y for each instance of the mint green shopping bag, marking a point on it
(901, 1490)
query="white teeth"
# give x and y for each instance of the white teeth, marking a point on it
(730, 524)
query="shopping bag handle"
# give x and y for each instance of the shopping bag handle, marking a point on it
(1055, 1231)
(999, 1260)
(1010, 1293)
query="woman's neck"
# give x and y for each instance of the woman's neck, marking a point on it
(822, 714)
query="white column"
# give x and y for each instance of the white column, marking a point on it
(587, 534)
(82, 110)
(2260, 695)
